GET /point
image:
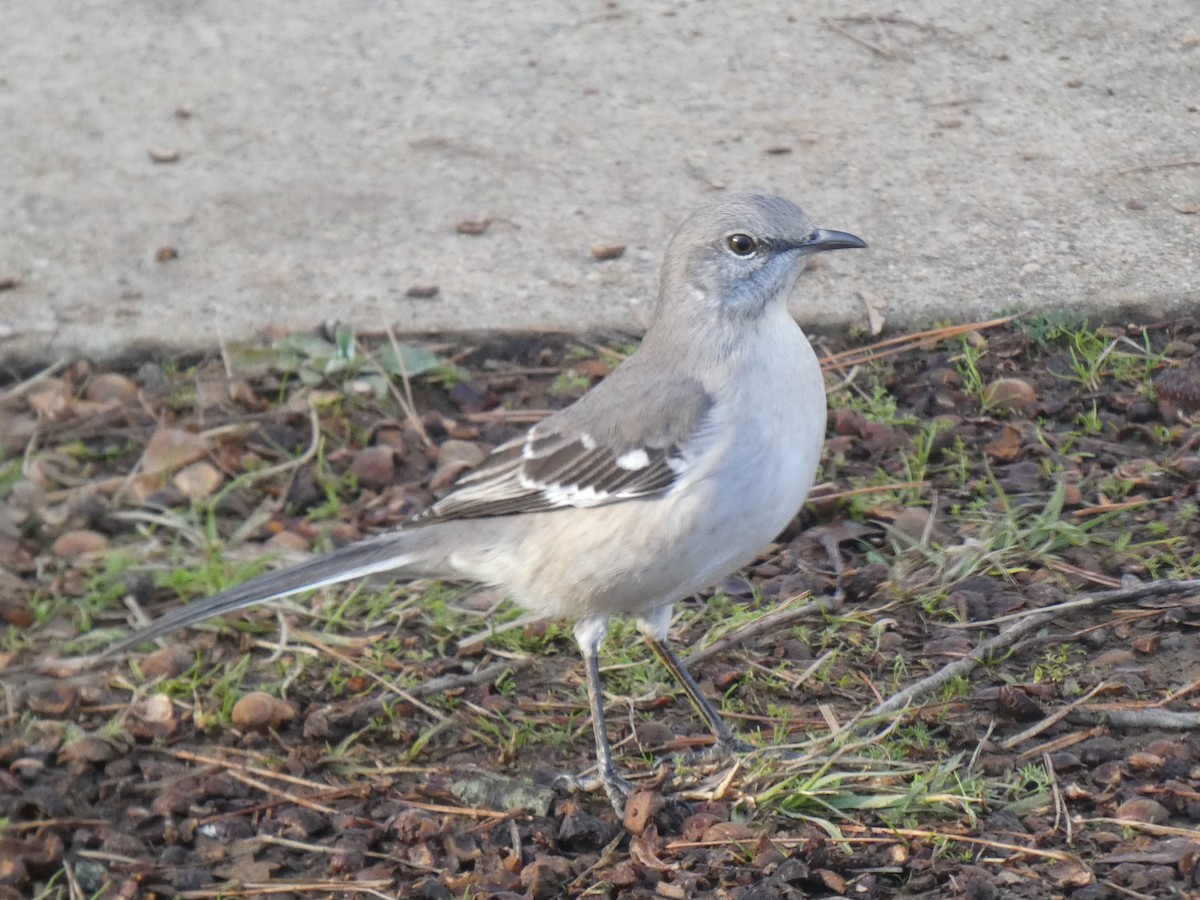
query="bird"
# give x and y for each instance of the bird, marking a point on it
(670, 474)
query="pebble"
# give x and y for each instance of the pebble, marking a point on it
(374, 467)
(110, 387)
(545, 877)
(1151, 762)
(80, 544)
(198, 481)
(1010, 394)
(258, 711)
(603, 252)
(288, 541)
(1143, 809)
(167, 662)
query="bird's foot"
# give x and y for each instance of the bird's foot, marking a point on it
(617, 788)
(722, 749)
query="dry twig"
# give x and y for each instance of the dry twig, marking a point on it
(1026, 622)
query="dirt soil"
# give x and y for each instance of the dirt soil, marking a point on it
(362, 744)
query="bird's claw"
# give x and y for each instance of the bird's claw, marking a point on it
(617, 788)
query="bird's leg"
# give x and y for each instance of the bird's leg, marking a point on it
(589, 633)
(654, 631)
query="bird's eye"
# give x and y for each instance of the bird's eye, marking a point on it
(741, 244)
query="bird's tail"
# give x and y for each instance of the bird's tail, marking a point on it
(394, 551)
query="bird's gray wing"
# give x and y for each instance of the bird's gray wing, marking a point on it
(628, 438)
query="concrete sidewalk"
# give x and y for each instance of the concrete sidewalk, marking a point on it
(173, 172)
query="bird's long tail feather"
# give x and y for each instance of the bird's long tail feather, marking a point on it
(385, 553)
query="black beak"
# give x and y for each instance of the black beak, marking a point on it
(822, 240)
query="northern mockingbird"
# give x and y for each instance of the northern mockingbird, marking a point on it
(674, 471)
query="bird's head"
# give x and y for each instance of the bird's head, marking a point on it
(741, 254)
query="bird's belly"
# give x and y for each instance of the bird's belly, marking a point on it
(639, 555)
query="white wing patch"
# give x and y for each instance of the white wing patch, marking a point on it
(572, 495)
(632, 460)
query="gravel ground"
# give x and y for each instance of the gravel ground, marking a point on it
(383, 742)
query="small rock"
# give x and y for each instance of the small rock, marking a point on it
(603, 252)
(652, 734)
(695, 826)
(80, 545)
(953, 645)
(545, 877)
(163, 155)
(1010, 394)
(258, 711)
(1178, 390)
(198, 481)
(994, 764)
(109, 387)
(1065, 761)
(863, 584)
(1145, 644)
(288, 541)
(422, 291)
(1018, 705)
(374, 467)
(832, 880)
(915, 522)
(581, 832)
(171, 802)
(391, 437)
(1143, 809)
(472, 226)
(1099, 749)
(300, 823)
(1145, 761)
(13, 872)
(152, 378)
(1107, 774)
(1118, 656)
(593, 368)
(152, 719)
(471, 397)
(89, 748)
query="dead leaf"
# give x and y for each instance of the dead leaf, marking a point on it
(171, 448)
(1070, 873)
(875, 306)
